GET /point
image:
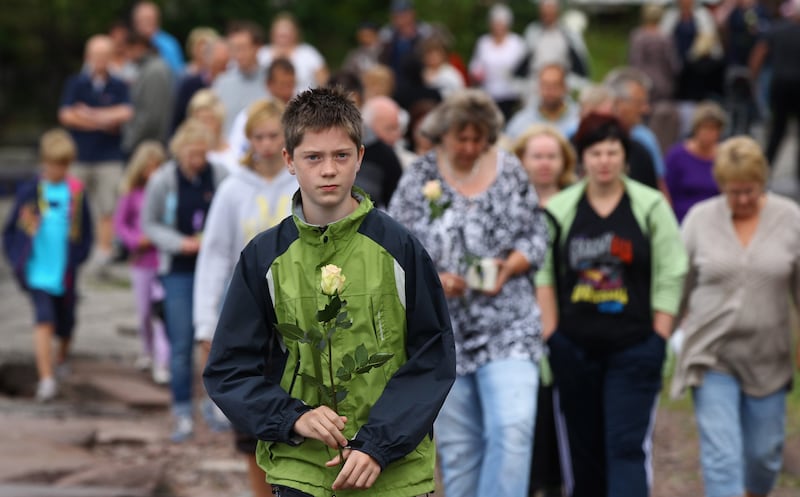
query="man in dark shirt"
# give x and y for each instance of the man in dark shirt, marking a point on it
(93, 107)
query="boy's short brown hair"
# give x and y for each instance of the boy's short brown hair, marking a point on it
(58, 146)
(319, 109)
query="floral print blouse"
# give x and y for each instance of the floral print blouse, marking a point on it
(492, 223)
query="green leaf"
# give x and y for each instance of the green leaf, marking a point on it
(348, 363)
(375, 361)
(314, 336)
(344, 374)
(341, 394)
(362, 356)
(324, 395)
(342, 317)
(379, 359)
(331, 310)
(312, 380)
(292, 332)
(345, 325)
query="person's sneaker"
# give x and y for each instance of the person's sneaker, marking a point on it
(63, 370)
(143, 363)
(46, 390)
(184, 427)
(161, 375)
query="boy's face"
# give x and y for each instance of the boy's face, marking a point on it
(55, 171)
(281, 85)
(325, 163)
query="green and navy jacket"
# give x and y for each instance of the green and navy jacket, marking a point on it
(397, 306)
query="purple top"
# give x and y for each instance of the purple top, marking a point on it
(688, 179)
(128, 228)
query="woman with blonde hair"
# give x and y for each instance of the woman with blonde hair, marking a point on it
(176, 202)
(254, 198)
(143, 258)
(548, 158)
(744, 260)
(206, 107)
(198, 46)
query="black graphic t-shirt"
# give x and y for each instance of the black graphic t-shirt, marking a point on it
(605, 280)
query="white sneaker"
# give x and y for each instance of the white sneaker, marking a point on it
(161, 375)
(184, 426)
(46, 390)
(143, 363)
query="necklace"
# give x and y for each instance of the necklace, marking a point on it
(454, 174)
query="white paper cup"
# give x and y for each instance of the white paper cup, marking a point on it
(484, 279)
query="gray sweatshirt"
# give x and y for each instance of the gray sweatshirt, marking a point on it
(159, 216)
(245, 204)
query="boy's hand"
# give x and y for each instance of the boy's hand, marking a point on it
(322, 424)
(359, 472)
(29, 219)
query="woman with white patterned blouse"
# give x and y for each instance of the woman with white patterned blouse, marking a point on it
(472, 207)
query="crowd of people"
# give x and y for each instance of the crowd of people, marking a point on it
(559, 227)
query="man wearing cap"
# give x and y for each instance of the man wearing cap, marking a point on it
(401, 38)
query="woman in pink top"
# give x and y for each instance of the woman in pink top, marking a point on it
(148, 156)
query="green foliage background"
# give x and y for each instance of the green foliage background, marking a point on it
(41, 41)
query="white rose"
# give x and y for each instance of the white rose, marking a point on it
(332, 281)
(432, 190)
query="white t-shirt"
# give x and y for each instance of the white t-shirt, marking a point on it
(306, 61)
(497, 62)
(552, 48)
(446, 79)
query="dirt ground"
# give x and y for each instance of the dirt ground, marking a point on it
(90, 438)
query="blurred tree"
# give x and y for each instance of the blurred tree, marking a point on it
(41, 41)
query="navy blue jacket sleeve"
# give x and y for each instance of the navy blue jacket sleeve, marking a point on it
(404, 413)
(17, 243)
(246, 362)
(83, 247)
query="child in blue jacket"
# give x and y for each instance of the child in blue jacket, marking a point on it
(47, 236)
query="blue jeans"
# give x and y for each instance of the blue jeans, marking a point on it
(741, 437)
(484, 432)
(178, 288)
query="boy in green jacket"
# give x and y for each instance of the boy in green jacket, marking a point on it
(391, 345)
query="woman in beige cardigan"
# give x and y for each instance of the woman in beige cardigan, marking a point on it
(744, 250)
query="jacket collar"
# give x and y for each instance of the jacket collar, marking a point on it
(336, 232)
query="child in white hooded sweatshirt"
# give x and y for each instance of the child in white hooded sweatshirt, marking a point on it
(253, 198)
